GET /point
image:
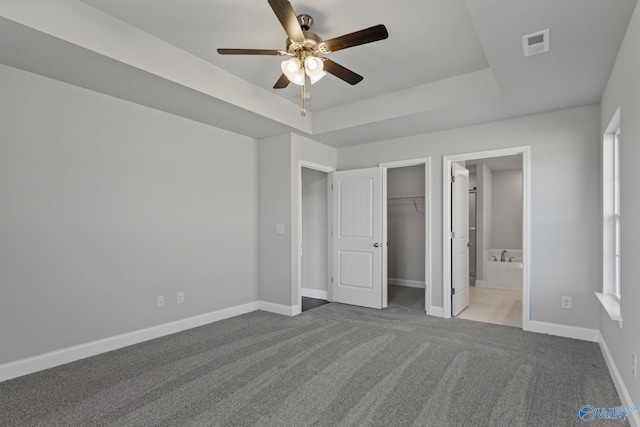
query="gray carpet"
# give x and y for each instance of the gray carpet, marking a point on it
(335, 365)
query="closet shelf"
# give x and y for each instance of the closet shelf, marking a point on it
(412, 198)
(406, 198)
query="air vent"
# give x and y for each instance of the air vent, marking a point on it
(536, 43)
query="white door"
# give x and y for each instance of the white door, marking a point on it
(460, 238)
(357, 245)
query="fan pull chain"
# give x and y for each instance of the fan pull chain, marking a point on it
(303, 112)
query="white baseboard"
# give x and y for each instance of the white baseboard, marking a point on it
(435, 311)
(565, 331)
(407, 283)
(70, 354)
(633, 417)
(314, 293)
(285, 310)
(486, 284)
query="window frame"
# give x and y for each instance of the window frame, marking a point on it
(616, 213)
(611, 294)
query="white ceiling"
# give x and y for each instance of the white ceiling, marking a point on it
(411, 49)
(446, 63)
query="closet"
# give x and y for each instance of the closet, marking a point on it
(406, 235)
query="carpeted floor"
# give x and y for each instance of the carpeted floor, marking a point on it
(335, 365)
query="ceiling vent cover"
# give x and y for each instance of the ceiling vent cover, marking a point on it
(536, 43)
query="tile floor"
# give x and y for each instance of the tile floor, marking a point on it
(490, 305)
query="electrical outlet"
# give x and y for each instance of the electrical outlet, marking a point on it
(566, 302)
(180, 298)
(160, 301)
(634, 365)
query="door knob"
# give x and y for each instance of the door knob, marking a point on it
(375, 245)
(469, 244)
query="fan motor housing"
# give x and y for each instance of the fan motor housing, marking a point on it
(310, 46)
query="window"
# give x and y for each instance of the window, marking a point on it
(611, 220)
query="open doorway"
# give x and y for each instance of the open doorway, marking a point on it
(498, 236)
(407, 213)
(495, 240)
(406, 237)
(314, 232)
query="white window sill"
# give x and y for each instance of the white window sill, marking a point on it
(611, 305)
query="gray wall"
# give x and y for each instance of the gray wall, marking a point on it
(507, 209)
(564, 205)
(274, 249)
(280, 182)
(314, 229)
(623, 90)
(104, 206)
(405, 226)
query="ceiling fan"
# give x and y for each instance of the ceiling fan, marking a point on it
(305, 48)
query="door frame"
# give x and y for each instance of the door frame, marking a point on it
(327, 170)
(426, 161)
(526, 226)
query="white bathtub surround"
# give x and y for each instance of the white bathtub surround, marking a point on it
(502, 274)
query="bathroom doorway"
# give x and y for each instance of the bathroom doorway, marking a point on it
(498, 236)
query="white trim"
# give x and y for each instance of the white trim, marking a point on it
(608, 170)
(435, 311)
(406, 283)
(385, 238)
(316, 166)
(623, 393)
(297, 283)
(70, 354)
(526, 227)
(565, 331)
(285, 310)
(314, 293)
(426, 161)
(490, 285)
(611, 305)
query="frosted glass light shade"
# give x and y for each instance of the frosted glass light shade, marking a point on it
(292, 68)
(314, 68)
(317, 76)
(313, 65)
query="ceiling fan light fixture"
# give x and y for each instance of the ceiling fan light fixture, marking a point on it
(292, 68)
(314, 68)
(305, 48)
(313, 65)
(317, 76)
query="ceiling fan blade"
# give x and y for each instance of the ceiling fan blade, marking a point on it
(282, 82)
(287, 17)
(368, 35)
(251, 52)
(341, 72)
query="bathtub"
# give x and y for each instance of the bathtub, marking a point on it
(504, 275)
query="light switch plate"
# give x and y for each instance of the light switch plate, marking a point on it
(280, 228)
